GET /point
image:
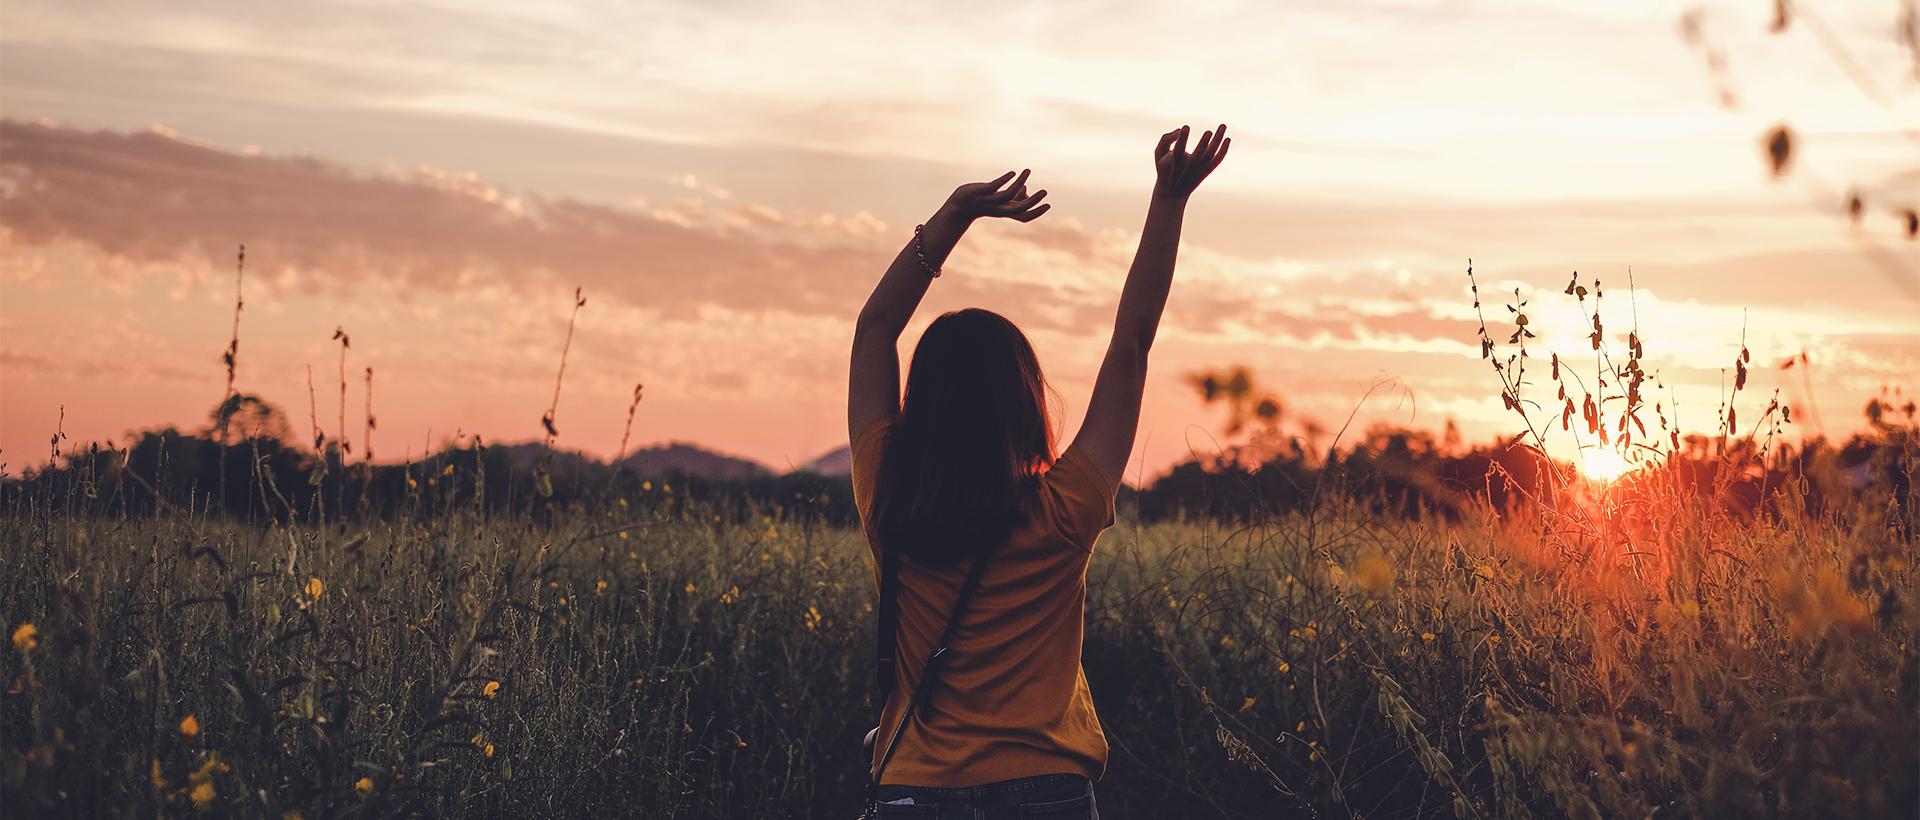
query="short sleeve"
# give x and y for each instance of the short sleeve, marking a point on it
(1080, 501)
(867, 449)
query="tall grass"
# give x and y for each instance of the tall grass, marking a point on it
(653, 658)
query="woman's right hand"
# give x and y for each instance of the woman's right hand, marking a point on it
(977, 199)
(1181, 172)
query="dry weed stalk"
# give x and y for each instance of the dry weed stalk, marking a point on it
(543, 475)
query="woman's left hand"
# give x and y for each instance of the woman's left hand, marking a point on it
(977, 199)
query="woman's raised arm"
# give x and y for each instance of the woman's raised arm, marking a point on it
(1113, 414)
(873, 389)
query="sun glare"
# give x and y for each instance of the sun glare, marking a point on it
(1603, 463)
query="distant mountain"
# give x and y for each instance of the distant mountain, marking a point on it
(694, 460)
(837, 462)
(678, 456)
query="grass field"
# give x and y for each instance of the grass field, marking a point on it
(1637, 653)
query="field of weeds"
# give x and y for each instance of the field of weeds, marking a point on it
(1634, 651)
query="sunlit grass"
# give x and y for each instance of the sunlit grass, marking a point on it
(1670, 658)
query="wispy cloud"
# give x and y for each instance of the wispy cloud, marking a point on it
(117, 247)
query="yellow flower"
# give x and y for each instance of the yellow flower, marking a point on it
(205, 773)
(292, 814)
(492, 688)
(1426, 636)
(189, 727)
(489, 750)
(365, 785)
(314, 587)
(158, 781)
(23, 637)
(202, 794)
(599, 587)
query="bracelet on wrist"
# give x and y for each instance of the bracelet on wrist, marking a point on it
(920, 251)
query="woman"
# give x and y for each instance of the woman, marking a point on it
(963, 471)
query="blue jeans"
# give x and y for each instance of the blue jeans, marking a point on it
(1049, 796)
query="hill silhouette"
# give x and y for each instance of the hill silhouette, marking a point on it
(258, 473)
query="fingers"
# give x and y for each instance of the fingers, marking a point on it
(1013, 191)
(1165, 144)
(1180, 143)
(1027, 202)
(1224, 145)
(1034, 214)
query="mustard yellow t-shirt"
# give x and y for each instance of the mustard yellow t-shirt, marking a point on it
(1012, 700)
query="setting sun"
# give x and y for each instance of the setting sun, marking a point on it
(1604, 463)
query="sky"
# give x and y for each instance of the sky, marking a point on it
(725, 181)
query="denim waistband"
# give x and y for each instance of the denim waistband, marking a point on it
(986, 791)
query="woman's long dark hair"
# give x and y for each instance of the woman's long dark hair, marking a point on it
(972, 437)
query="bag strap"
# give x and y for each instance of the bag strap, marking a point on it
(889, 620)
(889, 606)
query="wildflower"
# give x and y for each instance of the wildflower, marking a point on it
(23, 638)
(1426, 636)
(492, 688)
(205, 773)
(599, 587)
(690, 586)
(314, 587)
(158, 781)
(365, 785)
(489, 750)
(202, 794)
(189, 727)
